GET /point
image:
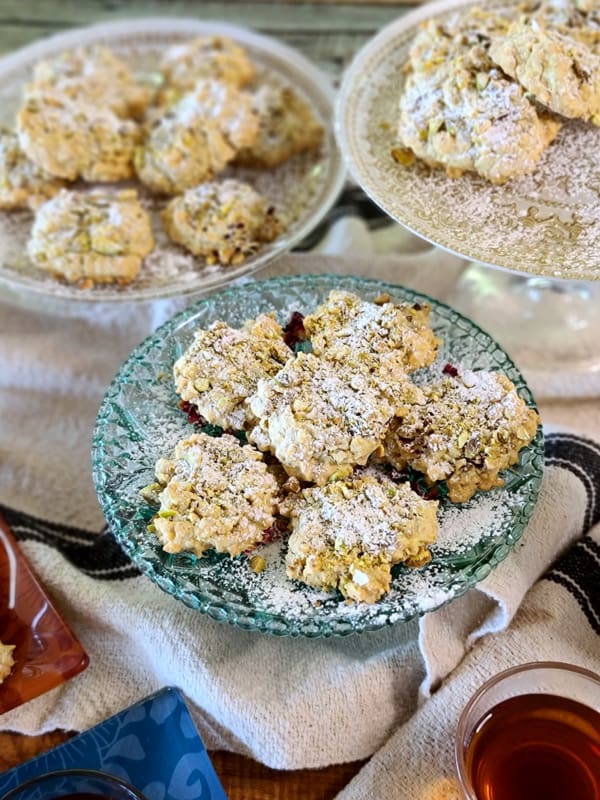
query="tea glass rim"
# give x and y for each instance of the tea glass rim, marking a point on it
(494, 680)
(136, 794)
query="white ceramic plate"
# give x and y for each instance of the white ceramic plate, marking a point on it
(546, 223)
(303, 189)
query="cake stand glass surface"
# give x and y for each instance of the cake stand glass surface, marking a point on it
(551, 328)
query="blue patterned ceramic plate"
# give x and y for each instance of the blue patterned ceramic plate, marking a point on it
(140, 421)
(152, 745)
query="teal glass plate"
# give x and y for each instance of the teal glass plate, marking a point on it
(139, 421)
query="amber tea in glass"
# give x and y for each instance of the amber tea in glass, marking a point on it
(532, 733)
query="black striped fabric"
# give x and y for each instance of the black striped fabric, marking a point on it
(578, 570)
(96, 554)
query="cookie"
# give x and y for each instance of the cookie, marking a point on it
(71, 139)
(213, 494)
(22, 183)
(92, 75)
(321, 419)
(95, 237)
(579, 19)
(193, 140)
(469, 428)
(348, 535)
(461, 113)
(224, 222)
(398, 333)
(231, 108)
(223, 365)
(7, 661)
(218, 57)
(287, 126)
(559, 71)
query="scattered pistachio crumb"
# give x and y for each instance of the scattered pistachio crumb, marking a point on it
(257, 564)
(403, 156)
(382, 299)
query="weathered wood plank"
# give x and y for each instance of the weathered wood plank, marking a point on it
(315, 16)
(329, 35)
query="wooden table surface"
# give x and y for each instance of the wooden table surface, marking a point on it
(328, 32)
(242, 778)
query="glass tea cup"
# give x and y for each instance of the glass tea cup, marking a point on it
(74, 784)
(532, 732)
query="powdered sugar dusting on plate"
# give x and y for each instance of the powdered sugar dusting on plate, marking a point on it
(463, 526)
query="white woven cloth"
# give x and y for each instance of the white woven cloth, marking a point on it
(288, 703)
(557, 620)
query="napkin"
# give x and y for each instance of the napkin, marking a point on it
(289, 703)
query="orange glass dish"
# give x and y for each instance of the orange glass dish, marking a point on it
(47, 652)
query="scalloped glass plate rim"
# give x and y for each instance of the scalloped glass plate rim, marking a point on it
(173, 26)
(256, 618)
(354, 80)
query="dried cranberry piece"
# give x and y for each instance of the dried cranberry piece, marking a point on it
(294, 331)
(450, 370)
(193, 417)
(272, 534)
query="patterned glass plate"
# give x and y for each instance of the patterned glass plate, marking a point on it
(47, 652)
(153, 745)
(547, 223)
(302, 189)
(139, 421)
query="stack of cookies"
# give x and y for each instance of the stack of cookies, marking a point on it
(487, 93)
(320, 440)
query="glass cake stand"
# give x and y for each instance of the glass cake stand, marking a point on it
(550, 327)
(533, 244)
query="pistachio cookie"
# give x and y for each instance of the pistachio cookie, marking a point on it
(399, 333)
(579, 19)
(470, 427)
(219, 57)
(72, 139)
(94, 237)
(287, 126)
(461, 113)
(321, 419)
(93, 75)
(224, 222)
(348, 534)
(22, 183)
(193, 140)
(223, 365)
(559, 71)
(6, 660)
(213, 493)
